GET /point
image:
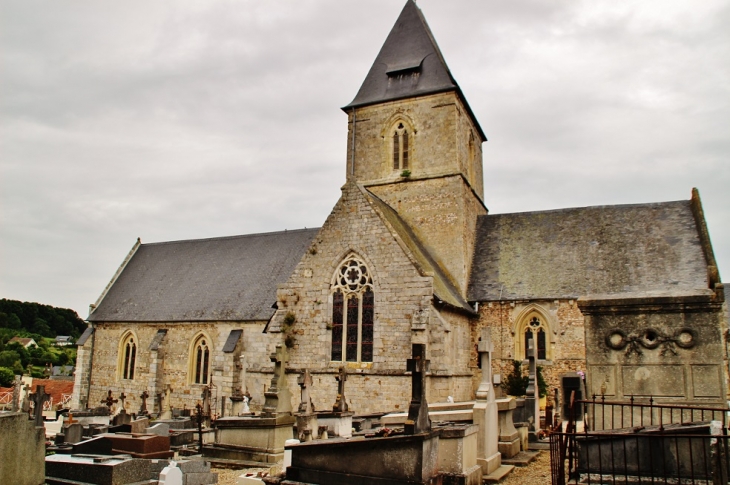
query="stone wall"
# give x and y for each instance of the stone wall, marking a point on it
(404, 314)
(670, 348)
(169, 365)
(566, 352)
(22, 450)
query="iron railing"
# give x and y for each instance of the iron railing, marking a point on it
(641, 442)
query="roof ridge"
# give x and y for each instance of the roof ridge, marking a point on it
(239, 236)
(608, 206)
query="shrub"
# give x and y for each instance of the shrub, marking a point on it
(7, 376)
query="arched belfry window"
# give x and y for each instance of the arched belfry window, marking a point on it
(535, 329)
(128, 356)
(200, 360)
(353, 312)
(401, 147)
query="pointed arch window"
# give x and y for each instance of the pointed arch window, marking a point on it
(128, 356)
(535, 329)
(401, 149)
(353, 312)
(201, 360)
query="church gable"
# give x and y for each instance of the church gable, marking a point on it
(308, 303)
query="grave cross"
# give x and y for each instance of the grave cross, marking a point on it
(341, 402)
(206, 400)
(418, 420)
(305, 382)
(39, 397)
(16, 393)
(109, 401)
(123, 398)
(143, 406)
(199, 419)
(532, 397)
(278, 397)
(485, 391)
(25, 406)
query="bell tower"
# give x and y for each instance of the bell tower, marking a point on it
(414, 142)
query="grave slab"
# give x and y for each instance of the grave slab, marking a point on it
(98, 470)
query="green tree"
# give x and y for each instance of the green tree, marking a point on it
(6, 377)
(515, 384)
(8, 358)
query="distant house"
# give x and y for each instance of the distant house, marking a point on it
(63, 341)
(25, 342)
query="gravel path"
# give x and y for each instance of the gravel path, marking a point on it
(537, 473)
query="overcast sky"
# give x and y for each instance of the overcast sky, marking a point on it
(195, 119)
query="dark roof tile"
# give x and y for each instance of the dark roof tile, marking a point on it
(637, 249)
(221, 279)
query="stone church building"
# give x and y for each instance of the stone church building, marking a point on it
(628, 294)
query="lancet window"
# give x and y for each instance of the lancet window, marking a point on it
(353, 312)
(201, 360)
(128, 355)
(535, 329)
(401, 147)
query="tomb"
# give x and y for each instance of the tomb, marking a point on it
(410, 458)
(259, 438)
(339, 420)
(485, 410)
(97, 469)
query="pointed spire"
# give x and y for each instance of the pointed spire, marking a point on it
(409, 63)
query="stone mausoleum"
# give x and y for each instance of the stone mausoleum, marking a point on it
(628, 294)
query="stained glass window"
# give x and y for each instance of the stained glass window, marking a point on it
(352, 312)
(535, 327)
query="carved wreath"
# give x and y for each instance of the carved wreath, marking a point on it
(684, 338)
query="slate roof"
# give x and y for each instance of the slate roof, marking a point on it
(409, 64)
(221, 279)
(645, 249)
(443, 289)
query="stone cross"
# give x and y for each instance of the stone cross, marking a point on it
(199, 419)
(16, 394)
(341, 401)
(532, 397)
(123, 398)
(143, 406)
(305, 382)
(485, 348)
(165, 412)
(205, 396)
(418, 420)
(278, 397)
(39, 397)
(109, 401)
(25, 406)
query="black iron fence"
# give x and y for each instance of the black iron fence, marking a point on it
(641, 442)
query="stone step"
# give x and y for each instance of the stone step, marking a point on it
(499, 474)
(523, 458)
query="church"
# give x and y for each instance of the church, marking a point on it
(629, 295)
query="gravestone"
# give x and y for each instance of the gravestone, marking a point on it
(39, 397)
(418, 420)
(486, 410)
(25, 406)
(122, 398)
(16, 394)
(307, 425)
(171, 475)
(340, 405)
(73, 433)
(165, 412)
(278, 397)
(139, 425)
(121, 418)
(143, 406)
(160, 429)
(109, 401)
(532, 396)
